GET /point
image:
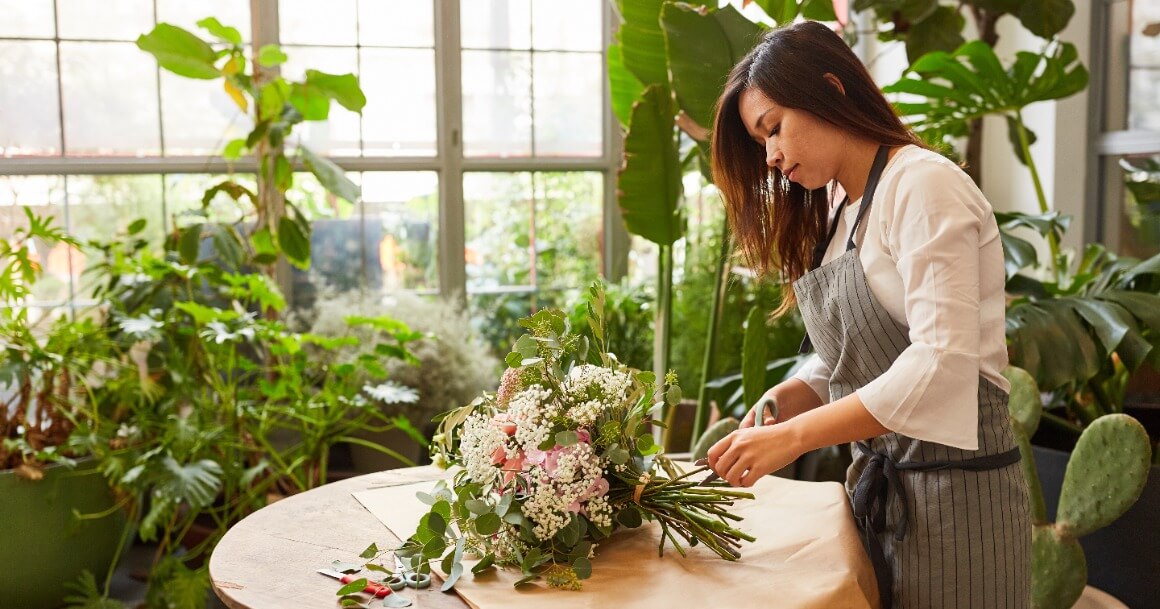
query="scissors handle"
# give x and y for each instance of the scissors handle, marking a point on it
(378, 590)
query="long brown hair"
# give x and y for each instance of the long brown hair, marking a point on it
(778, 223)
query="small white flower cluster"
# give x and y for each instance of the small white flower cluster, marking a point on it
(479, 442)
(577, 469)
(532, 410)
(593, 389)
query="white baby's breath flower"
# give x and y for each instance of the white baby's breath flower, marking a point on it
(392, 393)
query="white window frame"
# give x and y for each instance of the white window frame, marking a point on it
(449, 162)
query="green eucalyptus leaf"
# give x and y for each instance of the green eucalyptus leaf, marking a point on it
(487, 524)
(566, 438)
(477, 506)
(487, 562)
(353, 587)
(370, 552)
(582, 567)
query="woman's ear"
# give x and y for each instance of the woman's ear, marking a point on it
(834, 81)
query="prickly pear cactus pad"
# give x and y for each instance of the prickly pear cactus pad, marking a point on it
(719, 430)
(1060, 571)
(1025, 405)
(1105, 475)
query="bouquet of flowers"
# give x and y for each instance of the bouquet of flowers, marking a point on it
(559, 458)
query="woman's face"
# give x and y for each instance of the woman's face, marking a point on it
(806, 149)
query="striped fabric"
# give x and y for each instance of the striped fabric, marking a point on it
(968, 540)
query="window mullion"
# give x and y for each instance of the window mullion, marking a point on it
(449, 129)
(616, 240)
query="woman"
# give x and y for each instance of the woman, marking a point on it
(901, 289)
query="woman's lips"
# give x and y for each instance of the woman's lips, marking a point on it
(791, 172)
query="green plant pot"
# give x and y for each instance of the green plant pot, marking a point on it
(43, 544)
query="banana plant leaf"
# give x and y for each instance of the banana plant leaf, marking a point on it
(649, 184)
(971, 83)
(624, 87)
(753, 356)
(703, 46)
(642, 42)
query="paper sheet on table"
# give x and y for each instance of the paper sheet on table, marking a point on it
(807, 555)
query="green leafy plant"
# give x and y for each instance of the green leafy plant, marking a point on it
(276, 105)
(48, 364)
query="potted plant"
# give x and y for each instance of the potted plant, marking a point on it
(58, 514)
(451, 365)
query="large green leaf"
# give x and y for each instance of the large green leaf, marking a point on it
(970, 83)
(819, 10)
(342, 88)
(642, 42)
(1018, 254)
(180, 51)
(781, 11)
(195, 483)
(753, 356)
(700, 59)
(623, 86)
(649, 184)
(332, 177)
(294, 242)
(941, 30)
(1049, 340)
(1045, 18)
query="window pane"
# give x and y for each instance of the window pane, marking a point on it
(401, 211)
(45, 196)
(495, 24)
(497, 116)
(186, 14)
(28, 74)
(27, 18)
(568, 108)
(570, 26)
(498, 214)
(568, 226)
(198, 116)
(339, 135)
(104, 20)
(396, 24)
(1144, 71)
(183, 194)
(309, 22)
(110, 99)
(1140, 207)
(496, 317)
(399, 118)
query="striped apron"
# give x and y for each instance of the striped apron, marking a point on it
(944, 527)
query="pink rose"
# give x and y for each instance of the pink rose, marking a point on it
(504, 421)
(583, 435)
(499, 456)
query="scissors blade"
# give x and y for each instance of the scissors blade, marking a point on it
(713, 476)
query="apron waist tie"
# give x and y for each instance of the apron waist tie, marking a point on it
(881, 478)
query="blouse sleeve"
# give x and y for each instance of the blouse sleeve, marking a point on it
(816, 374)
(932, 229)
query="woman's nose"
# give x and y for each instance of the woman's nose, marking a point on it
(773, 156)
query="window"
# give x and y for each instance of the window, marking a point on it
(486, 127)
(1128, 148)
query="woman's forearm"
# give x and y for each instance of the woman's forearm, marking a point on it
(793, 396)
(839, 422)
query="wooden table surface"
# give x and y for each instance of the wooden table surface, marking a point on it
(269, 559)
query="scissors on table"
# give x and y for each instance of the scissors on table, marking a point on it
(759, 410)
(406, 578)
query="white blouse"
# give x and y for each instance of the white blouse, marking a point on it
(932, 255)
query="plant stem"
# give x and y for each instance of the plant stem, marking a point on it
(1052, 240)
(662, 326)
(701, 418)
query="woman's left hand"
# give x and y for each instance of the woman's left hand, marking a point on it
(744, 456)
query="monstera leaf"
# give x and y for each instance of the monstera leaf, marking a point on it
(956, 88)
(1066, 332)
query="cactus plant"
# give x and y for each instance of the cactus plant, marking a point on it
(1105, 476)
(714, 434)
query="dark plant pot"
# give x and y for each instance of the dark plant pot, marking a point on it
(42, 545)
(1124, 557)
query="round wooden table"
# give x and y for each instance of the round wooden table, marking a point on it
(270, 559)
